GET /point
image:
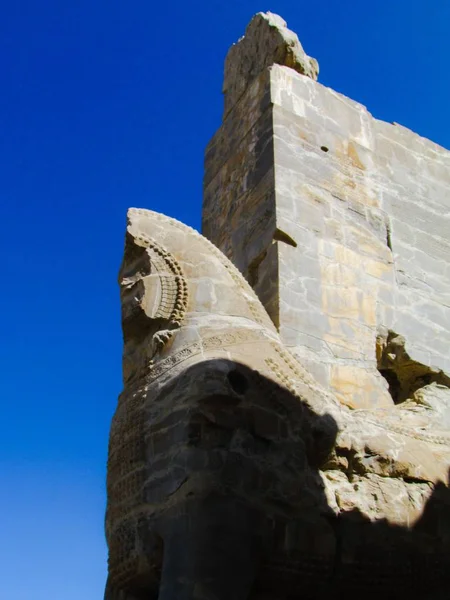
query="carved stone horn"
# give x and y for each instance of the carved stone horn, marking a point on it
(171, 276)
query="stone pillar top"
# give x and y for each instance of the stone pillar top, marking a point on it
(267, 41)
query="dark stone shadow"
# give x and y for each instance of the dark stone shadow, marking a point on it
(242, 513)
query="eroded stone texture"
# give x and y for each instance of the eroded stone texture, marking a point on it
(267, 41)
(366, 207)
(233, 475)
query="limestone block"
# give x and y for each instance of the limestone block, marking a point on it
(237, 125)
(328, 110)
(437, 398)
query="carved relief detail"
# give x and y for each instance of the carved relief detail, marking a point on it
(280, 375)
(409, 432)
(284, 378)
(174, 289)
(256, 308)
(231, 337)
(127, 460)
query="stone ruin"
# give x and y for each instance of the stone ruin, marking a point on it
(284, 429)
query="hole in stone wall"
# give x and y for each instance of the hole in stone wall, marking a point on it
(324, 148)
(393, 383)
(238, 382)
(388, 236)
(403, 374)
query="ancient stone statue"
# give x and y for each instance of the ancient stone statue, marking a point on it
(231, 473)
(285, 434)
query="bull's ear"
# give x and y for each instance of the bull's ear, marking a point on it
(168, 292)
(153, 285)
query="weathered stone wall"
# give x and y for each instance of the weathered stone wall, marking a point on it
(341, 223)
(232, 473)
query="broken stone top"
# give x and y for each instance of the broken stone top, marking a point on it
(267, 41)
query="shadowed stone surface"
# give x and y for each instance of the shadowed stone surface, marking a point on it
(232, 474)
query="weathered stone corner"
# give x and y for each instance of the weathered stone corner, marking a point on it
(267, 41)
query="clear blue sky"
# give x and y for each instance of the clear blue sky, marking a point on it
(105, 105)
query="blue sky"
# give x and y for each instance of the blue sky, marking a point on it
(106, 105)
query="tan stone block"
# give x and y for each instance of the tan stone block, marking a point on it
(341, 302)
(358, 387)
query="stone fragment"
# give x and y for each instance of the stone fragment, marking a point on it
(406, 376)
(267, 41)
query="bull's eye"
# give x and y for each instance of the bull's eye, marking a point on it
(238, 382)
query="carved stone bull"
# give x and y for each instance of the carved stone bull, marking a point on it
(231, 474)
